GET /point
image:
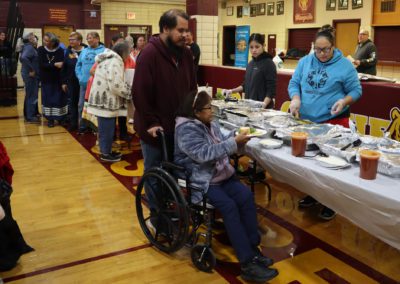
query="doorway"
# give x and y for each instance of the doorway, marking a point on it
(228, 45)
(62, 32)
(347, 35)
(125, 30)
(111, 30)
(271, 44)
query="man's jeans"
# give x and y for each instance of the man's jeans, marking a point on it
(106, 126)
(82, 123)
(152, 158)
(31, 96)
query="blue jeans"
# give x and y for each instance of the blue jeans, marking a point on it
(106, 126)
(236, 203)
(31, 96)
(152, 158)
(81, 102)
(73, 102)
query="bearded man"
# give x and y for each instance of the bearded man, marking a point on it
(164, 75)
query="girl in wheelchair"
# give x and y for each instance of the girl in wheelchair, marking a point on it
(201, 147)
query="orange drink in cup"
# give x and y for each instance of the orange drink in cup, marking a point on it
(369, 164)
(299, 143)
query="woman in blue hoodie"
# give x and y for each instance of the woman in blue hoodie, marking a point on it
(201, 147)
(322, 88)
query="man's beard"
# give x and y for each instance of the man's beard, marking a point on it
(175, 49)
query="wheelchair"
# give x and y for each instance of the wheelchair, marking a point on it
(168, 217)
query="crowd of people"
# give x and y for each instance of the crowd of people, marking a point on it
(163, 96)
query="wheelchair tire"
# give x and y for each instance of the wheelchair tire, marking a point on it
(203, 258)
(166, 225)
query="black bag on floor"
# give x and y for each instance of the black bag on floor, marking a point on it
(12, 243)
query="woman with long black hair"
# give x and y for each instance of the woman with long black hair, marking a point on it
(260, 78)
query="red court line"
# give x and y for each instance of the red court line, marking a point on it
(307, 241)
(30, 135)
(331, 277)
(74, 263)
(10, 117)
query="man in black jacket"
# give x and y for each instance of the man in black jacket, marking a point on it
(365, 56)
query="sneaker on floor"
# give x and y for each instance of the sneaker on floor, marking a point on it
(327, 214)
(50, 123)
(110, 158)
(261, 259)
(116, 154)
(253, 272)
(307, 202)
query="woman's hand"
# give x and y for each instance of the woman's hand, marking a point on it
(227, 93)
(338, 107)
(241, 139)
(295, 106)
(64, 87)
(2, 214)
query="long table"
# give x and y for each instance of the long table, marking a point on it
(374, 113)
(373, 205)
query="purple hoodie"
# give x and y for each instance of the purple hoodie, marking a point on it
(159, 87)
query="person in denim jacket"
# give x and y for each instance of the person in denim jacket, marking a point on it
(201, 148)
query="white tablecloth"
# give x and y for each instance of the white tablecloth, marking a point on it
(372, 205)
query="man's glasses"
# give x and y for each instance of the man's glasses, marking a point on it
(324, 50)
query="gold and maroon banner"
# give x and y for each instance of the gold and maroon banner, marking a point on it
(304, 11)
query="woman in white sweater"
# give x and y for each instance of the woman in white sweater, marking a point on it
(108, 96)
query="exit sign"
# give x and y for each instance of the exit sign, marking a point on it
(130, 15)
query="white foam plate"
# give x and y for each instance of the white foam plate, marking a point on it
(257, 133)
(271, 143)
(332, 162)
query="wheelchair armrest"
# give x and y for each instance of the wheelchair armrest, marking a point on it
(173, 167)
(194, 188)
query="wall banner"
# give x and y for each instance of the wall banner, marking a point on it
(241, 47)
(304, 11)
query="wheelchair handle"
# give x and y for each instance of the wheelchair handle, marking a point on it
(161, 135)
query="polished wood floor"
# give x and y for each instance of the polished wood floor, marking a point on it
(79, 215)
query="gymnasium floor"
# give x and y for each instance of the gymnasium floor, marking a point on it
(79, 215)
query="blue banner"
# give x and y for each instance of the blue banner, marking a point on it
(241, 47)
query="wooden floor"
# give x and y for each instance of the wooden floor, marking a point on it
(79, 215)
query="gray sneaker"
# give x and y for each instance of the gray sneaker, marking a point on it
(254, 272)
(110, 157)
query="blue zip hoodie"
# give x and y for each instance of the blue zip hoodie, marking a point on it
(321, 84)
(85, 62)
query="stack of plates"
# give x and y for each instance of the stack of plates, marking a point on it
(332, 162)
(271, 143)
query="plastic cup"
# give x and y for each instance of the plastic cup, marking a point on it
(299, 143)
(369, 164)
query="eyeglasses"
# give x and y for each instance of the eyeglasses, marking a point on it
(324, 50)
(362, 34)
(206, 107)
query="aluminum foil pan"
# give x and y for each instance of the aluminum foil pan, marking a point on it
(282, 122)
(390, 146)
(313, 130)
(235, 118)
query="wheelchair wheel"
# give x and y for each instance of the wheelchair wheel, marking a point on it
(203, 258)
(165, 219)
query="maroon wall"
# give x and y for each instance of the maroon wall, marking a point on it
(35, 13)
(202, 7)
